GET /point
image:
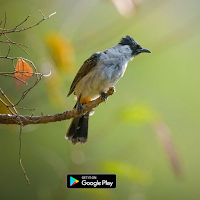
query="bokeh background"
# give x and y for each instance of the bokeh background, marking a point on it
(162, 87)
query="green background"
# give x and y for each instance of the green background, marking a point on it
(162, 85)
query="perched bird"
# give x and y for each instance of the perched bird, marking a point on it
(97, 74)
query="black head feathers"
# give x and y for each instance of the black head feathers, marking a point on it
(127, 41)
(135, 47)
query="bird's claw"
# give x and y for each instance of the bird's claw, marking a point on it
(111, 90)
(79, 107)
(104, 96)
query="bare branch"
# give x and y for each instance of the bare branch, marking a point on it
(5, 20)
(39, 78)
(7, 106)
(17, 44)
(1, 22)
(20, 122)
(9, 101)
(21, 72)
(24, 29)
(20, 155)
(13, 64)
(11, 76)
(5, 31)
(42, 14)
(9, 47)
(10, 119)
(10, 106)
(14, 43)
(25, 120)
(22, 22)
(22, 108)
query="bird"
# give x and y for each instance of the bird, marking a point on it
(97, 74)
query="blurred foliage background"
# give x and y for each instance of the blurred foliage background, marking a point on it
(163, 85)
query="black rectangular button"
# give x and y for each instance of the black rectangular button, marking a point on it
(91, 181)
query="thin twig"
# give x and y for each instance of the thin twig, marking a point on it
(24, 29)
(17, 44)
(21, 22)
(9, 47)
(11, 76)
(13, 64)
(20, 155)
(16, 58)
(7, 106)
(22, 72)
(8, 100)
(1, 22)
(19, 119)
(5, 20)
(42, 14)
(39, 78)
(14, 43)
(29, 109)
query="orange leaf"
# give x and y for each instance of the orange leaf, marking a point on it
(23, 73)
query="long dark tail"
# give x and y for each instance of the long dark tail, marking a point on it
(78, 129)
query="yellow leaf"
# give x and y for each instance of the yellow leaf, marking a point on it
(62, 51)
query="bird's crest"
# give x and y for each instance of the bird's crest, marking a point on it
(127, 41)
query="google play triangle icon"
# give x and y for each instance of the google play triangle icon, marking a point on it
(73, 181)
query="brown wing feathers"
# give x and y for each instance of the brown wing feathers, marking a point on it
(87, 66)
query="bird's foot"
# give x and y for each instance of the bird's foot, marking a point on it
(111, 90)
(79, 107)
(104, 96)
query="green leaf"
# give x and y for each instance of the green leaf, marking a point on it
(138, 114)
(126, 171)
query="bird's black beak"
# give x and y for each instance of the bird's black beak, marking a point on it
(144, 50)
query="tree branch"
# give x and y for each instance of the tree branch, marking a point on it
(25, 120)
(15, 118)
(3, 30)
